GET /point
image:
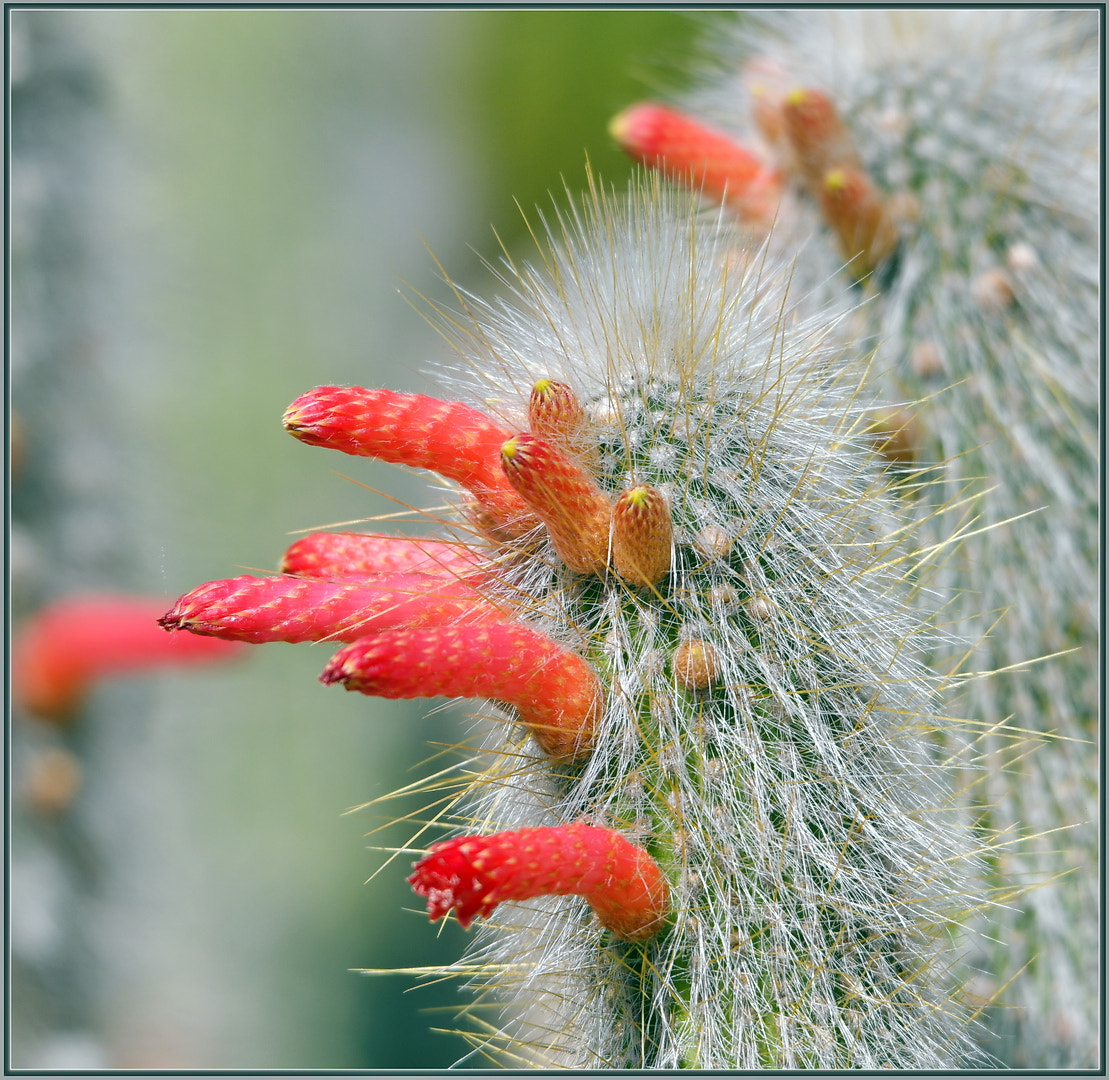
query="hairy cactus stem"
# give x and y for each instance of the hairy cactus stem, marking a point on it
(973, 135)
(738, 702)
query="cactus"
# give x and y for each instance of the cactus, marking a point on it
(708, 823)
(952, 156)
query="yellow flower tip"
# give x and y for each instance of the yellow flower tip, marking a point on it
(796, 97)
(291, 420)
(509, 449)
(542, 387)
(620, 126)
(835, 180)
(637, 497)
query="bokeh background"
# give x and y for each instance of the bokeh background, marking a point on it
(213, 211)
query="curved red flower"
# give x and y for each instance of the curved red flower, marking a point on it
(556, 693)
(473, 874)
(447, 437)
(700, 157)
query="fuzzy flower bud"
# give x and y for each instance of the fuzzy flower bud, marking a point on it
(696, 664)
(854, 208)
(556, 414)
(556, 693)
(642, 536)
(699, 157)
(447, 437)
(473, 874)
(291, 609)
(565, 498)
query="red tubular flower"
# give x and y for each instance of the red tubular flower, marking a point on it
(699, 157)
(473, 874)
(447, 437)
(305, 609)
(65, 647)
(642, 536)
(331, 555)
(564, 497)
(555, 692)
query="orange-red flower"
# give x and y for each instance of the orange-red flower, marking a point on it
(448, 437)
(473, 874)
(351, 555)
(261, 609)
(700, 157)
(555, 692)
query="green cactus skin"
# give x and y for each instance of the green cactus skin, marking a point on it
(819, 868)
(989, 313)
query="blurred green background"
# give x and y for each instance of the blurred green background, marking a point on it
(218, 211)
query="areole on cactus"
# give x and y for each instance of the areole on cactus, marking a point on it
(716, 837)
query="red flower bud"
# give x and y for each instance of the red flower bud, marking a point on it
(565, 498)
(306, 609)
(65, 647)
(447, 437)
(473, 874)
(699, 157)
(642, 536)
(555, 692)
